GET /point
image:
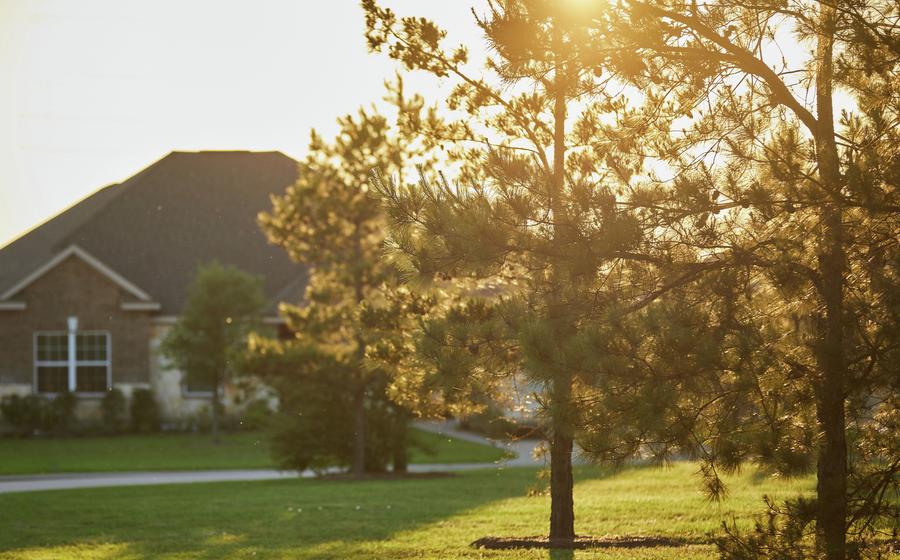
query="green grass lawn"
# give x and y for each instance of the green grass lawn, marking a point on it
(188, 452)
(414, 518)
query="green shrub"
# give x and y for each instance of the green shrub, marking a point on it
(144, 411)
(490, 423)
(32, 414)
(256, 415)
(24, 414)
(60, 413)
(201, 421)
(113, 408)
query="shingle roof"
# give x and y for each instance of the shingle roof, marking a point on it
(156, 227)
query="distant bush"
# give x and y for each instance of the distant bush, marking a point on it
(59, 413)
(113, 408)
(144, 411)
(490, 423)
(257, 415)
(33, 414)
(201, 421)
(24, 414)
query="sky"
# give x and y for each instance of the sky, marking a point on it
(93, 91)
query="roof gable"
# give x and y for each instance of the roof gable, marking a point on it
(76, 251)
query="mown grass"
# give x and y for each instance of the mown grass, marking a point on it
(413, 518)
(189, 452)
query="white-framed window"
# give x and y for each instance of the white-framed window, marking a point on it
(76, 361)
(196, 389)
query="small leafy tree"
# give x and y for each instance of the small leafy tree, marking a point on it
(222, 307)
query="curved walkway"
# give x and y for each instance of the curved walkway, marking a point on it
(522, 450)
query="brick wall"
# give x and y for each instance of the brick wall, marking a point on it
(74, 288)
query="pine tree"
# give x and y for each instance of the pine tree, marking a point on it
(699, 175)
(532, 216)
(330, 221)
(751, 165)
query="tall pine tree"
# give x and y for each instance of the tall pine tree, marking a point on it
(532, 215)
(733, 112)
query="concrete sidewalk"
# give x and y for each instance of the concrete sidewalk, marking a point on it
(523, 450)
(34, 483)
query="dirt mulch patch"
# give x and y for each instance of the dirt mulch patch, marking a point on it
(580, 543)
(385, 476)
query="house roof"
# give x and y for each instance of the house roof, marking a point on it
(153, 229)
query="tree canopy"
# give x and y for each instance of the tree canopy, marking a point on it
(694, 250)
(208, 341)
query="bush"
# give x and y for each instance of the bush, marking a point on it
(144, 411)
(31, 414)
(314, 429)
(113, 408)
(60, 413)
(24, 414)
(491, 423)
(256, 415)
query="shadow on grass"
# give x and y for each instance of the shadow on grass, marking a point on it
(324, 519)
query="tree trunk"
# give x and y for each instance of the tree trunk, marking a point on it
(359, 404)
(401, 447)
(831, 488)
(562, 512)
(214, 409)
(359, 433)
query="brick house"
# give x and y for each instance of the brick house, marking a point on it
(86, 297)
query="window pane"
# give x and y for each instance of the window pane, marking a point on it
(52, 347)
(90, 347)
(54, 379)
(194, 385)
(90, 379)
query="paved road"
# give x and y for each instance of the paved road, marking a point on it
(32, 483)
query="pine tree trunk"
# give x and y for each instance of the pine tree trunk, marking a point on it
(359, 402)
(562, 512)
(359, 433)
(831, 489)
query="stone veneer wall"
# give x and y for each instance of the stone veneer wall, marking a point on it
(175, 405)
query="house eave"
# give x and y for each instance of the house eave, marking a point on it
(140, 306)
(172, 319)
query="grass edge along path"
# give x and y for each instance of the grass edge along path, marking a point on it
(186, 452)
